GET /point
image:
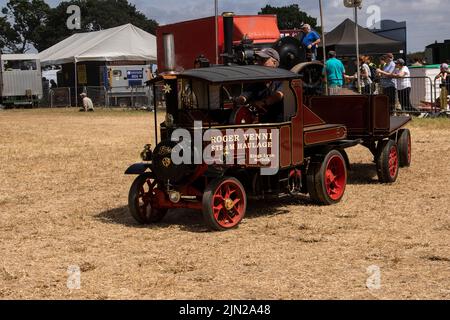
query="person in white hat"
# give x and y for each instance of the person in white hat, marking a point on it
(88, 105)
(310, 40)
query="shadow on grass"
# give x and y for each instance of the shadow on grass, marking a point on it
(192, 221)
(362, 174)
(187, 220)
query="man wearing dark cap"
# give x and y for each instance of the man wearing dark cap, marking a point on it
(267, 97)
(268, 58)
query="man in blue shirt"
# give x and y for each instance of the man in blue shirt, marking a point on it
(335, 73)
(310, 41)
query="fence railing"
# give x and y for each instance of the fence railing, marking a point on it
(414, 95)
(60, 97)
(421, 94)
(98, 95)
(138, 97)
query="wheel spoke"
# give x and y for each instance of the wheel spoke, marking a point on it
(219, 197)
(235, 202)
(335, 178)
(331, 176)
(228, 204)
(217, 210)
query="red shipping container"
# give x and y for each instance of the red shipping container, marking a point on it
(196, 37)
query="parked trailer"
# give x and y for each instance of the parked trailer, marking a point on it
(125, 83)
(20, 80)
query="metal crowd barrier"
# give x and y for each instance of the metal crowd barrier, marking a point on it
(442, 92)
(426, 96)
(60, 97)
(419, 98)
(136, 97)
(98, 95)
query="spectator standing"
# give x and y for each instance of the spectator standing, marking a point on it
(335, 73)
(53, 84)
(366, 76)
(310, 41)
(387, 81)
(444, 76)
(403, 75)
(373, 73)
(45, 91)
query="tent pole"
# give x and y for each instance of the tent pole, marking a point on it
(357, 49)
(216, 7)
(76, 82)
(323, 42)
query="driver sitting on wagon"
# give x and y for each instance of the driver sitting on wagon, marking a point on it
(266, 97)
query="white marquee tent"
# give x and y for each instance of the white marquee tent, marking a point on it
(125, 42)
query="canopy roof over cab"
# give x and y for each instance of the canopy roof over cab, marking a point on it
(216, 75)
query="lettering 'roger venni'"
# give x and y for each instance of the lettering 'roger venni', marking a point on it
(230, 147)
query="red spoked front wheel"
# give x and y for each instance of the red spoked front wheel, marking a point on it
(224, 204)
(140, 201)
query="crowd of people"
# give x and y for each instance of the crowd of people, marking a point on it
(384, 74)
(391, 77)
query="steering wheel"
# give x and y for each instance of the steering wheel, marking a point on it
(243, 115)
(246, 114)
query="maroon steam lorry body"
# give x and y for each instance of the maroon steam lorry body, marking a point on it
(230, 154)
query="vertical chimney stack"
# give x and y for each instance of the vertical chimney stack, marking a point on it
(169, 52)
(228, 30)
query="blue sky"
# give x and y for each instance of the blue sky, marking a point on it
(427, 20)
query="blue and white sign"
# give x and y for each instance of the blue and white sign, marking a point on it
(135, 74)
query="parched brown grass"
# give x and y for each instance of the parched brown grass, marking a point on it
(63, 202)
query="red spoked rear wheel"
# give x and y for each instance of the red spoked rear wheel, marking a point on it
(327, 178)
(388, 162)
(335, 178)
(140, 201)
(404, 148)
(393, 162)
(224, 204)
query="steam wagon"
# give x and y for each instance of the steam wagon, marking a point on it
(240, 157)
(213, 154)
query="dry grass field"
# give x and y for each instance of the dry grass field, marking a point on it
(63, 202)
